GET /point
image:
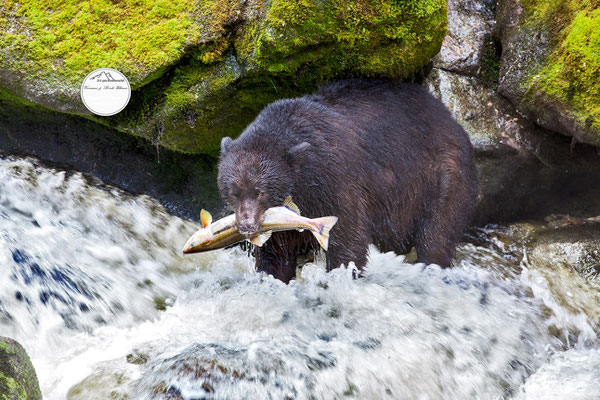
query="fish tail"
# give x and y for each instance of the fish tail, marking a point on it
(324, 225)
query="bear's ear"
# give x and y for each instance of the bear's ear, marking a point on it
(296, 150)
(225, 145)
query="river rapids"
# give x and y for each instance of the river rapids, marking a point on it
(95, 288)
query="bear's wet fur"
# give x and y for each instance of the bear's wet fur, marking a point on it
(386, 158)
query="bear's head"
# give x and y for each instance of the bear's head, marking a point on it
(253, 180)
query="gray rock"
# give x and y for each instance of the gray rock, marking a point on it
(469, 37)
(489, 119)
(18, 380)
(524, 171)
(523, 49)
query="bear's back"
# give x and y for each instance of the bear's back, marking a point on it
(376, 121)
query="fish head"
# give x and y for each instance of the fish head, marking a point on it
(199, 241)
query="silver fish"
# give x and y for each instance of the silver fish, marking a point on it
(223, 233)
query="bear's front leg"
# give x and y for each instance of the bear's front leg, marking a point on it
(278, 256)
(347, 246)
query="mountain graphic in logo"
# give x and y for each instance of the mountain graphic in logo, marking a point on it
(104, 76)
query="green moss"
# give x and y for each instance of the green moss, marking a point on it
(375, 38)
(223, 112)
(203, 70)
(570, 74)
(552, 15)
(10, 389)
(296, 46)
(68, 39)
(137, 358)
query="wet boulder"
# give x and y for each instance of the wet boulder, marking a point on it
(18, 380)
(203, 70)
(569, 242)
(557, 242)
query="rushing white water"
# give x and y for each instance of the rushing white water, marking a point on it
(94, 287)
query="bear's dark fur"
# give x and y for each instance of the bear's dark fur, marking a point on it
(386, 158)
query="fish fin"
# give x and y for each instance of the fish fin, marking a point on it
(206, 218)
(260, 239)
(290, 205)
(324, 226)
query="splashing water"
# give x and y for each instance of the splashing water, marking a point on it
(95, 289)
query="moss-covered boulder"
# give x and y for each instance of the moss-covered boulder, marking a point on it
(550, 64)
(202, 70)
(18, 380)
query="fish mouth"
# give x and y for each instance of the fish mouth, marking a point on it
(193, 245)
(188, 250)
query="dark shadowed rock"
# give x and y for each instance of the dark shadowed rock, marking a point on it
(184, 184)
(18, 380)
(524, 171)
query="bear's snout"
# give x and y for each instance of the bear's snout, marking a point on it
(248, 217)
(248, 227)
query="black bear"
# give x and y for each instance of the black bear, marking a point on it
(386, 158)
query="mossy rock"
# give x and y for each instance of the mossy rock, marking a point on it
(203, 70)
(554, 59)
(18, 380)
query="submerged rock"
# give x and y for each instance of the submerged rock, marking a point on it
(18, 380)
(559, 241)
(559, 260)
(569, 242)
(200, 71)
(550, 63)
(568, 375)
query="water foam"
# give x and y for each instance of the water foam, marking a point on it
(96, 290)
